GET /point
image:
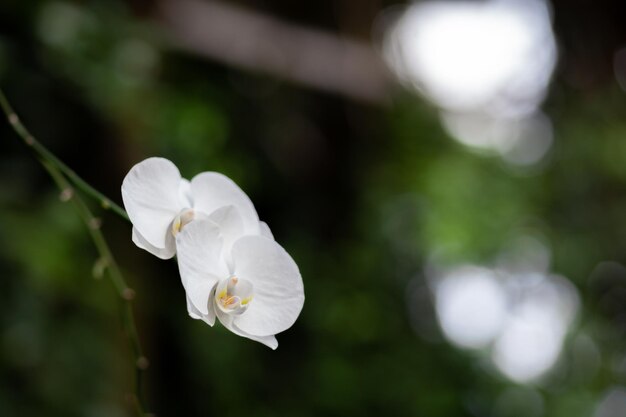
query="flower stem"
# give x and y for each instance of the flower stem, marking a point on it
(62, 175)
(46, 155)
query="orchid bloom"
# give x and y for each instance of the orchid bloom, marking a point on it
(159, 203)
(255, 290)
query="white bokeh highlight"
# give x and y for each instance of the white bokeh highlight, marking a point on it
(532, 340)
(613, 403)
(486, 65)
(471, 306)
(520, 318)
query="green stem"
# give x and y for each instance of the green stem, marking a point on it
(61, 177)
(46, 155)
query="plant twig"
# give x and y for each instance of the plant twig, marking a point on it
(60, 173)
(46, 155)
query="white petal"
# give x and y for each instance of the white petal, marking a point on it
(227, 321)
(199, 291)
(212, 190)
(199, 246)
(199, 261)
(231, 228)
(163, 253)
(194, 313)
(278, 291)
(150, 192)
(265, 230)
(210, 318)
(184, 193)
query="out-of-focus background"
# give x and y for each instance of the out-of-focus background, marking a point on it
(450, 177)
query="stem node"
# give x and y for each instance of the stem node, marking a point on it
(95, 223)
(66, 195)
(128, 294)
(142, 363)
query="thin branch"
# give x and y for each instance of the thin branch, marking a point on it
(46, 155)
(106, 261)
(243, 38)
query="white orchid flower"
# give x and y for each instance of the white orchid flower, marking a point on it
(256, 291)
(159, 203)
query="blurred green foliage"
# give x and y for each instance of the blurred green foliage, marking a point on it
(363, 198)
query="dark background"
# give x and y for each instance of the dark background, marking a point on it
(358, 192)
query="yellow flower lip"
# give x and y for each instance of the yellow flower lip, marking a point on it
(233, 295)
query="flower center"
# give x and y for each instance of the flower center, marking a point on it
(233, 295)
(184, 217)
